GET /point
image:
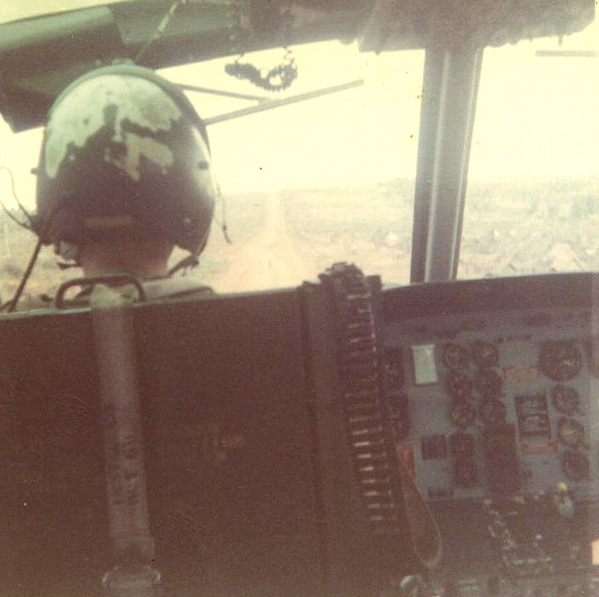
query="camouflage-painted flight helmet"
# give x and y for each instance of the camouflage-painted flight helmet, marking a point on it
(124, 155)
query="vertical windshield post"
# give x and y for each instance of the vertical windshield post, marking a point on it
(449, 92)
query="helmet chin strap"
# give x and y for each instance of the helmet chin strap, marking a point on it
(189, 261)
(192, 260)
(63, 265)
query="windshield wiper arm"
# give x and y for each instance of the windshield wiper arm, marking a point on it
(246, 96)
(278, 103)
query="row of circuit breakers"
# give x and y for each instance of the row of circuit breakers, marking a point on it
(478, 424)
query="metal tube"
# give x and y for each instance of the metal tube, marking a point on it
(245, 96)
(566, 54)
(270, 105)
(131, 541)
(451, 81)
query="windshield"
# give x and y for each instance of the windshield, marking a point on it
(533, 193)
(11, 10)
(332, 179)
(303, 186)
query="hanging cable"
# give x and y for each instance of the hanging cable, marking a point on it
(13, 302)
(223, 224)
(159, 31)
(190, 261)
(281, 76)
(277, 78)
(29, 225)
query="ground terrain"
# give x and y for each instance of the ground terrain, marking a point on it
(280, 239)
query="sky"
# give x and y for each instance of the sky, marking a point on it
(535, 117)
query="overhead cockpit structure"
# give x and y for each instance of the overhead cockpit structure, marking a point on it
(41, 54)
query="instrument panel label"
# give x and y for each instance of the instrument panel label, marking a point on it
(540, 447)
(520, 373)
(533, 418)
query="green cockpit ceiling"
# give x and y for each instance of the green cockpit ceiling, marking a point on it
(41, 53)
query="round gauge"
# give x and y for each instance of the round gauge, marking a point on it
(570, 432)
(492, 411)
(466, 474)
(456, 356)
(575, 465)
(566, 400)
(462, 445)
(459, 384)
(485, 355)
(462, 414)
(560, 361)
(488, 383)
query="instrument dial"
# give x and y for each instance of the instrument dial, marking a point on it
(566, 400)
(570, 432)
(462, 445)
(492, 411)
(459, 384)
(485, 355)
(560, 361)
(462, 413)
(488, 383)
(456, 356)
(575, 465)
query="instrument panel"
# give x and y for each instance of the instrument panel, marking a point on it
(490, 386)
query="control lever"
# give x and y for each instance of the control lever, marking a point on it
(131, 542)
(91, 282)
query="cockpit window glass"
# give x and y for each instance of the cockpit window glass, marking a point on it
(532, 204)
(11, 10)
(303, 186)
(317, 182)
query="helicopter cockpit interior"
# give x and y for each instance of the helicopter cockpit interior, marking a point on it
(394, 390)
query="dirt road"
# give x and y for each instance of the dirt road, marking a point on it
(268, 260)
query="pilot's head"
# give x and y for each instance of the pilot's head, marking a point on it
(124, 173)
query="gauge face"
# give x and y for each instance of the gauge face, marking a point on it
(462, 414)
(485, 355)
(466, 474)
(462, 445)
(570, 432)
(575, 465)
(492, 411)
(459, 384)
(456, 356)
(488, 383)
(560, 361)
(566, 400)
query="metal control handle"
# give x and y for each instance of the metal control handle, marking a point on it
(110, 280)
